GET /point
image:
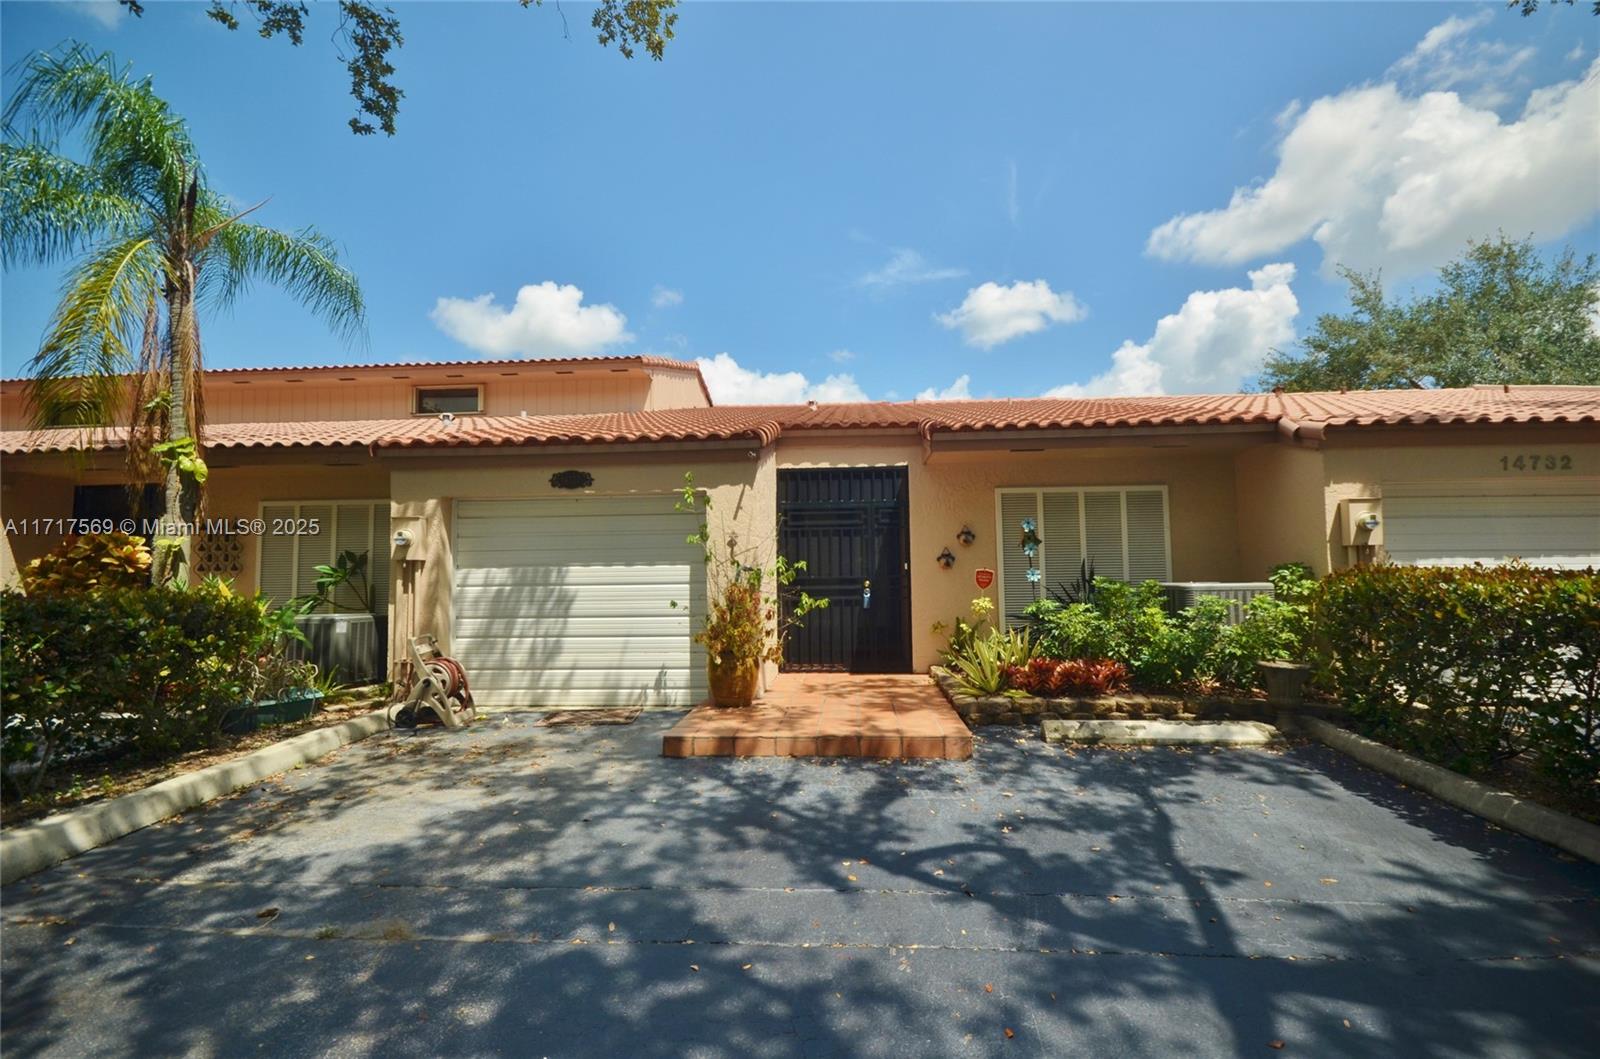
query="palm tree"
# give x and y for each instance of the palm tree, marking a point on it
(153, 245)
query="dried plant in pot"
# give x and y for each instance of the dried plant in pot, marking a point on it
(744, 626)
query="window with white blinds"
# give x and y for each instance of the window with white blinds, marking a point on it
(1122, 530)
(289, 561)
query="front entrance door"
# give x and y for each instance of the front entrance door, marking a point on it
(851, 526)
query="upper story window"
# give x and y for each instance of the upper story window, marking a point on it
(458, 400)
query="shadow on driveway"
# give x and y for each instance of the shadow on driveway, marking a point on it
(523, 890)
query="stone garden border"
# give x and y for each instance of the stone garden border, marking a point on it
(1031, 709)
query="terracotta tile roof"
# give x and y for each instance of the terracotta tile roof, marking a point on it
(643, 361)
(1475, 404)
(1309, 414)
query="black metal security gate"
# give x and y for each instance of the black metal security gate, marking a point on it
(851, 526)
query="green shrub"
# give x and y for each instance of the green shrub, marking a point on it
(1273, 627)
(152, 670)
(983, 665)
(1467, 667)
(88, 563)
(1129, 623)
(1068, 630)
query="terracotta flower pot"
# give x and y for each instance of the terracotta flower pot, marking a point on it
(733, 683)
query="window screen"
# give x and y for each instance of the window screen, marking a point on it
(455, 399)
(289, 562)
(1122, 531)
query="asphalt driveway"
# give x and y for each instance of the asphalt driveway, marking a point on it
(564, 891)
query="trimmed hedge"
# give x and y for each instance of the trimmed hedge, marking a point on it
(153, 669)
(1468, 667)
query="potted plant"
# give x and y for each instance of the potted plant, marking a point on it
(745, 626)
(278, 687)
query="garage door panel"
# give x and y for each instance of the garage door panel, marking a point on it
(577, 552)
(1543, 529)
(570, 698)
(532, 603)
(610, 653)
(578, 576)
(482, 629)
(569, 602)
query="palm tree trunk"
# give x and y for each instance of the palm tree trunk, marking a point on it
(182, 492)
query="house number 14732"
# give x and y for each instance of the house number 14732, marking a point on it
(1536, 461)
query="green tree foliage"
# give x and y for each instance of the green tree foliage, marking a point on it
(1501, 314)
(1528, 7)
(368, 32)
(153, 245)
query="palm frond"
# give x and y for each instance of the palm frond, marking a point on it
(305, 264)
(51, 207)
(131, 136)
(78, 377)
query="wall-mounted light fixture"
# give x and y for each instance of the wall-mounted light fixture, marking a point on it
(966, 536)
(946, 559)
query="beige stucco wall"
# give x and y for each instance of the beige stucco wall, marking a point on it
(23, 498)
(738, 481)
(1370, 470)
(239, 492)
(365, 393)
(231, 493)
(956, 489)
(1280, 518)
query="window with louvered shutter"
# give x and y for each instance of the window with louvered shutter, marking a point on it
(1016, 591)
(288, 562)
(352, 532)
(1146, 511)
(276, 579)
(378, 559)
(1102, 534)
(1121, 530)
(1063, 539)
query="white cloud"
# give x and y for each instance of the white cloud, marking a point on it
(992, 314)
(905, 267)
(1576, 54)
(730, 383)
(108, 13)
(841, 356)
(960, 390)
(547, 321)
(1447, 59)
(665, 297)
(1385, 177)
(1209, 345)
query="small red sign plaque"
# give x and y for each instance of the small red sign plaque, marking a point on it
(985, 578)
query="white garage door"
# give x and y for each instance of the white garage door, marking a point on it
(1549, 529)
(569, 602)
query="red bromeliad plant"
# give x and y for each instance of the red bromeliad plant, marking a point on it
(1074, 676)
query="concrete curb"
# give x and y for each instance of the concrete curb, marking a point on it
(1577, 837)
(34, 847)
(1159, 733)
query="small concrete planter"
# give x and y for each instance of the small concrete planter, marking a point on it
(1285, 681)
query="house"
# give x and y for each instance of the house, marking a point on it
(526, 509)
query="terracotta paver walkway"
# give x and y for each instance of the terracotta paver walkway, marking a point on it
(829, 715)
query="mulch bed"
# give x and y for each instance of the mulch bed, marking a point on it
(620, 715)
(74, 786)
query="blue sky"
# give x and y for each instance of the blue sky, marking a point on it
(846, 201)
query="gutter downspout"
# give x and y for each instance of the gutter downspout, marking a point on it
(1306, 435)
